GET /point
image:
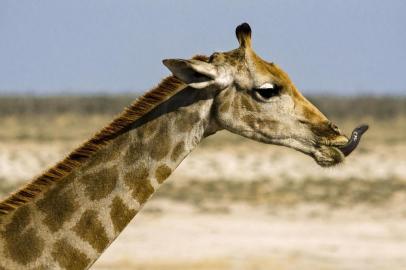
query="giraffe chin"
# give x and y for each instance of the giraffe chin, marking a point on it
(328, 156)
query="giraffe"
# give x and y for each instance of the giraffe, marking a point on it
(67, 217)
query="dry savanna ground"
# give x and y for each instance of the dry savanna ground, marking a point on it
(236, 204)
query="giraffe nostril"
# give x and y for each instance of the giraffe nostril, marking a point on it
(335, 128)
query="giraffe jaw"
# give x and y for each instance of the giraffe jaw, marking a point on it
(326, 154)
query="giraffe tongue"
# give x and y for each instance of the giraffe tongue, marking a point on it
(354, 140)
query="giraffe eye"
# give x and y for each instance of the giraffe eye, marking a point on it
(267, 91)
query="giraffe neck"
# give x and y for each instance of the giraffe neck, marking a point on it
(73, 222)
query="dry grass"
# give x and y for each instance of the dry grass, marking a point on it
(286, 193)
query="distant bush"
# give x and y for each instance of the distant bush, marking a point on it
(335, 107)
(28, 105)
(357, 107)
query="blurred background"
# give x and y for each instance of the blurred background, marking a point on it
(67, 67)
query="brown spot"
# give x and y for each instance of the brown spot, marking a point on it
(149, 129)
(108, 152)
(120, 214)
(237, 109)
(100, 184)
(186, 122)
(161, 143)
(22, 243)
(162, 172)
(69, 257)
(58, 204)
(177, 151)
(138, 181)
(90, 229)
(134, 152)
(250, 120)
(19, 222)
(25, 247)
(225, 107)
(247, 103)
(259, 123)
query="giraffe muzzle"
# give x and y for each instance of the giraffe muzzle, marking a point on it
(354, 140)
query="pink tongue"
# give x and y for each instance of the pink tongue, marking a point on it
(354, 140)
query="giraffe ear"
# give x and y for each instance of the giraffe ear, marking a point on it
(195, 73)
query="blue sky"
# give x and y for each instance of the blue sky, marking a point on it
(78, 46)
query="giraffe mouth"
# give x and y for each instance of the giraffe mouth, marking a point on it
(332, 154)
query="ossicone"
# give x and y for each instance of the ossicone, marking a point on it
(243, 33)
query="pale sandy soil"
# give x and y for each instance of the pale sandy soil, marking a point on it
(250, 238)
(240, 161)
(171, 234)
(253, 161)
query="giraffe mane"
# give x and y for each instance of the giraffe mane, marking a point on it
(142, 105)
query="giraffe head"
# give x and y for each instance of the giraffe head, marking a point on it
(257, 99)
